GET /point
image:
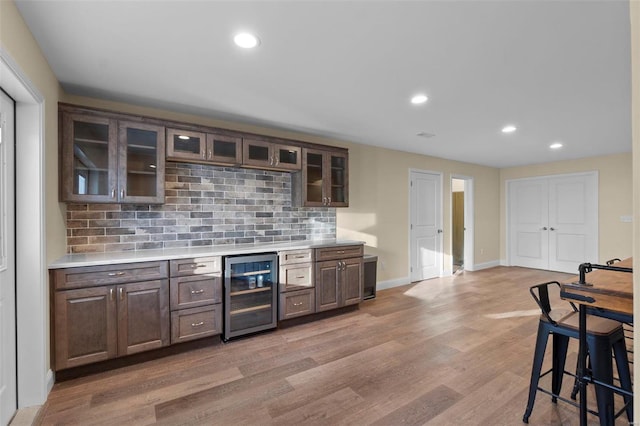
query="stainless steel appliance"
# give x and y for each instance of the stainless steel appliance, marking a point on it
(251, 294)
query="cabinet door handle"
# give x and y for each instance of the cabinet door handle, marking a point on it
(197, 291)
(197, 324)
(111, 294)
(552, 229)
(204, 154)
(113, 193)
(120, 290)
(329, 200)
(210, 154)
(544, 228)
(122, 193)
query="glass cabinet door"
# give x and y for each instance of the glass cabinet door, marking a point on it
(287, 157)
(89, 158)
(224, 149)
(141, 156)
(314, 178)
(184, 144)
(256, 153)
(339, 180)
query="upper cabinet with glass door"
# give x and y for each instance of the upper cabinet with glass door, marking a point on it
(269, 155)
(185, 145)
(107, 161)
(323, 181)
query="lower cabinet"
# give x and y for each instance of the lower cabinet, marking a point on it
(196, 298)
(99, 323)
(338, 282)
(297, 303)
(296, 284)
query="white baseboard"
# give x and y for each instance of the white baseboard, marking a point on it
(485, 265)
(382, 285)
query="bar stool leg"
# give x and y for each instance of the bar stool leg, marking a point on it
(600, 354)
(538, 357)
(622, 364)
(560, 346)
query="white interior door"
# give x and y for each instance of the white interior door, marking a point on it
(426, 225)
(529, 223)
(573, 217)
(553, 222)
(8, 391)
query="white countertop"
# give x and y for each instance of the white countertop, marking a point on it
(113, 258)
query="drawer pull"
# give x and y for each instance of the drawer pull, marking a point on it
(197, 324)
(197, 291)
(297, 304)
(301, 276)
(197, 265)
(116, 274)
(300, 256)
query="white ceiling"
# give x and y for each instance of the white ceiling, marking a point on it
(558, 70)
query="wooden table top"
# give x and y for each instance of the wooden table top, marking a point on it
(611, 290)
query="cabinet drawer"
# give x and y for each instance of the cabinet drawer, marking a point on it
(330, 253)
(297, 303)
(189, 292)
(196, 266)
(296, 276)
(194, 323)
(91, 276)
(295, 256)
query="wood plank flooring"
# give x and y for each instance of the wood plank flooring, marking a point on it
(449, 351)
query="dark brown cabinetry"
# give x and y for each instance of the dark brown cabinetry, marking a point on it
(122, 310)
(338, 277)
(196, 298)
(269, 155)
(111, 160)
(296, 283)
(323, 181)
(186, 145)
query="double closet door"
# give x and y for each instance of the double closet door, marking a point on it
(553, 221)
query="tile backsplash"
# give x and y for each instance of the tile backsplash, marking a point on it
(204, 206)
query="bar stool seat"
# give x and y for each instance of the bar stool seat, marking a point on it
(603, 336)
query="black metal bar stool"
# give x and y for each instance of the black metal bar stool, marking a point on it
(603, 336)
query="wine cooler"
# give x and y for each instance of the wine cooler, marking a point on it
(251, 294)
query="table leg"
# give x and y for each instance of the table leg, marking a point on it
(582, 363)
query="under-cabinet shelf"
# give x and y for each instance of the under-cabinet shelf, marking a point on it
(252, 273)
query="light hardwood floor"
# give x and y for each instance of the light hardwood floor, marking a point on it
(449, 351)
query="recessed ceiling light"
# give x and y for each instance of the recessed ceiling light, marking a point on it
(419, 99)
(246, 40)
(555, 145)
(183, 137)
(509, 129)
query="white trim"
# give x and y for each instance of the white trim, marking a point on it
(441, 248)
(469, 221)
(485, 265)
(397, 282)
(35, 377)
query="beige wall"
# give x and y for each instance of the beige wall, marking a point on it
(614, 198)
(379, 206)
(16, 39)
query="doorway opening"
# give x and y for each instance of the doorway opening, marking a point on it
(461, 224)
